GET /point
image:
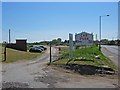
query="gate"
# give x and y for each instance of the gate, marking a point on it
(54, 53)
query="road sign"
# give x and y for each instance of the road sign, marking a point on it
(84, 39)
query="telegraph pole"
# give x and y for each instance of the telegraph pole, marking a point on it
(50, 53)
(9, 36)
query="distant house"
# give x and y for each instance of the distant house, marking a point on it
(21, 44)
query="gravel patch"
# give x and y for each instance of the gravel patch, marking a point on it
(14, 85)
(49, 78)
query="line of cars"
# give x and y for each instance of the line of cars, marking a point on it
(37, 49)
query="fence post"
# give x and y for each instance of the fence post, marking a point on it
(5, 52)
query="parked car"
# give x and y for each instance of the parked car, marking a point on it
(43, 47)
(40, 48)
(35, 49)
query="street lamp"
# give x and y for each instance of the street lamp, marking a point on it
(100, 19)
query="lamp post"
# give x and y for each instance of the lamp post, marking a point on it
(100, 19)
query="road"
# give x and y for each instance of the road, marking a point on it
(111, 52)
(37, 74)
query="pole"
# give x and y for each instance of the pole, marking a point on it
(9, 36)
(96, 37)
(93, 52)
(50, 53)
(5, 52)
(82, 52)
(100, 34)
(70, 45)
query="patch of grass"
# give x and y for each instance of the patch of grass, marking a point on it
(15, 55)
(85, 56)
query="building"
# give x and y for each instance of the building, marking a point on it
(21, 44)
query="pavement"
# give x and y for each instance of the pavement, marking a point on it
(37, 74)
(111, 52)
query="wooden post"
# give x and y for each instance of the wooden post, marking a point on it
(5, 52)
(93, 52)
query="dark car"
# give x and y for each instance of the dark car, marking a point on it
(40, 48)
(35, 49)
(43, 47)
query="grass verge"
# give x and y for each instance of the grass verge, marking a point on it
(15, 55)
(85, 56)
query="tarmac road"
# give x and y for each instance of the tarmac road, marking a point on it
(111, 52)
(36, 74)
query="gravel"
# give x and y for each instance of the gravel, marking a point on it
(15, 85)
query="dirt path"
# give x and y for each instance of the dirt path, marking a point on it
(70, 79)
(36, 74)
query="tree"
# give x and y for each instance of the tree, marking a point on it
(112, 42)
(104, 41)
(59, 40)
(56, 41)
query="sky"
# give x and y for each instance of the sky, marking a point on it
(60, 0)
(39, 21)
